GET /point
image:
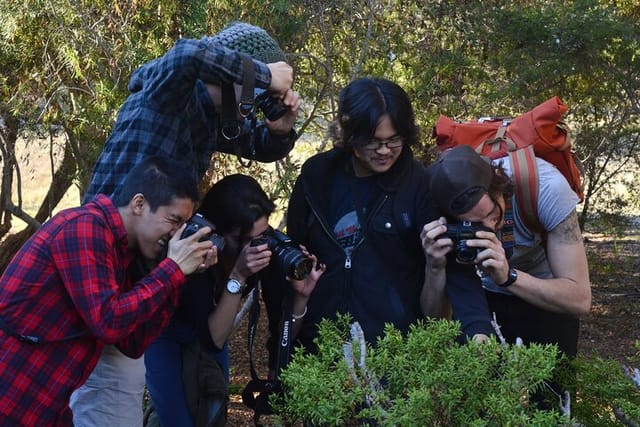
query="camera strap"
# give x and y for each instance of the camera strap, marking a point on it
(231, 126)
(507, 236)
(246, 106)
(256, 393)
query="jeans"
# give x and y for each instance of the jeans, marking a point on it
(174, 403)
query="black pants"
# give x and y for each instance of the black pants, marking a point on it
(518, 318)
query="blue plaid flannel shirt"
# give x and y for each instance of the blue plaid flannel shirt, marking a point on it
(170, 112)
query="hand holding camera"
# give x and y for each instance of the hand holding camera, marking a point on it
(435, 248)
(472, 243)
(191, 246)
(460, 233)
(192, 253)
(491, 257)
(198, 222)
(280, 112)
(439, 238)
(294, 263)
(281, 77)
(305, 286)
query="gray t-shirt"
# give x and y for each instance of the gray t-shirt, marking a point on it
(556, 201)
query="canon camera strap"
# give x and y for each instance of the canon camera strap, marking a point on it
(265, 387)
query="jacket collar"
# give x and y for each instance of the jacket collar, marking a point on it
(390, 180)
(319, 172)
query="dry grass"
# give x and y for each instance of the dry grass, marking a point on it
(35, 159)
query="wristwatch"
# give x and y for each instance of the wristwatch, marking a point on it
(511, 278)
(234, 286)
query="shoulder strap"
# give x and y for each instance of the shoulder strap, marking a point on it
(231, 126)
(256, 393)
(525, 178)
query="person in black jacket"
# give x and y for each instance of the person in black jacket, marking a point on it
(360, 208)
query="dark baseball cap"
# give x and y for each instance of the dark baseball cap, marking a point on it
(459, 179)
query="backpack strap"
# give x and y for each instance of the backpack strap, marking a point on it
(499, 143)
(526, 177)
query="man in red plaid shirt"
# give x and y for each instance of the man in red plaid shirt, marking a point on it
(68, 291)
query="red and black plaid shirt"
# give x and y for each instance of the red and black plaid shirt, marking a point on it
(69, 278)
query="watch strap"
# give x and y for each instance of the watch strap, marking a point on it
(511, 278)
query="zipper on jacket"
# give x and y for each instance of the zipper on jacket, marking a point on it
(347, 263)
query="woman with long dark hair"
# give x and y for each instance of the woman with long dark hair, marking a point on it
(239, 209)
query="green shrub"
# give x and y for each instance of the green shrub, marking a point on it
(426, 378)
(606, 396)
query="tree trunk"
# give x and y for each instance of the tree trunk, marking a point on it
(62, 180)
(8, 138)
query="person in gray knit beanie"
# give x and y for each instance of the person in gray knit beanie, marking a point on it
(252, 40)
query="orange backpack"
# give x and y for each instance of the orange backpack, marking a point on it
(537, 133)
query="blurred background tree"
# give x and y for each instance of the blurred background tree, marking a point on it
(65, 65)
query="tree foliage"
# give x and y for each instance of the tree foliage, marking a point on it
(65, 64)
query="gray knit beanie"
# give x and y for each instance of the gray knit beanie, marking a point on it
(252, 40)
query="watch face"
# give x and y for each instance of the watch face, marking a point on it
(233, 286)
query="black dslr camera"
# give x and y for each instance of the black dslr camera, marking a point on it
(293, 262)
(460, 233)
(195, 223)
(271, 107)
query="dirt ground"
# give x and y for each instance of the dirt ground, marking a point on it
(613, 325)
(610, 330)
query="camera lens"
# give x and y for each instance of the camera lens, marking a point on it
(291, 259)
(293, 262)
(300, 268)
(465, 254)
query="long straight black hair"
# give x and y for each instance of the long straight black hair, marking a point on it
(236, 201)
(361, 105)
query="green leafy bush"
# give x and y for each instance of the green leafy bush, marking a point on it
(427, 378)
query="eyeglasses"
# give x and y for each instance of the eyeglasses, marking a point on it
(391, 143)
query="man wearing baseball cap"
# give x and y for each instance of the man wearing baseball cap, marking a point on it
(536, 283)
(175, 108)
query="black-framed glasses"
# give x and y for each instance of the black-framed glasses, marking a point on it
(391, 143)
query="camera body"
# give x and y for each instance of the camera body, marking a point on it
(271, 107)
(459, 233)
(195, 223)
(293, 262)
